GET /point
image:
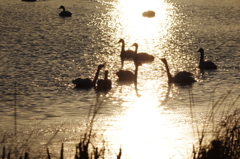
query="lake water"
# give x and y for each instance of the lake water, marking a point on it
(41, 53)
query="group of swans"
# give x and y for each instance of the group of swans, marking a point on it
(99, 84)
(182, 77)
(130, 54)
(185, 77)
(127, 76)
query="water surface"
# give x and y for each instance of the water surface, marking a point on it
(41, 53)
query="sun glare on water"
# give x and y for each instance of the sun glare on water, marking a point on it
(145, 130)
(139, 27)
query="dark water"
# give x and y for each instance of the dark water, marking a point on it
(41, 53)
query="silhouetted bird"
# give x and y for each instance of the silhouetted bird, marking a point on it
(182, 77)
(64, 13)
(87, 83)
(205, 64)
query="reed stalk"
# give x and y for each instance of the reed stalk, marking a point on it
(225, 140)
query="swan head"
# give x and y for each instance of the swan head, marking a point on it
(201, 50)
(163, 60)
(61, 7)
(101, 66)
(135, 44)
(121, 41)
(106, 75)
(139, 64)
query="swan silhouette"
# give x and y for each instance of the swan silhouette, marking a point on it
(104, 84)
(205, 64)
(87, 83)
(128, 77)
(142, 56)
(148, 14)
(182, 77)
(64, 13)
(130, 54)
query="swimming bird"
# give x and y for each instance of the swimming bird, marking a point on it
(104, 84)
(128, 77)
(64, 13)
(87, 83)
(148, 14)
(182, 77)
(130, 54)
(125, 54)
(205, 64)
(142, 56)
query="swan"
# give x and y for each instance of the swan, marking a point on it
(130, 54)
(87, 83)
(142, 56)
(148, 14)
(64, 13)
(104, 84)
(125, 54)
(205, 64)
(182, 77)
(128, 77)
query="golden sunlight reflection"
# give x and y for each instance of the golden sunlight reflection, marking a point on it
(146, 126)
(139, 28)
(147, 130)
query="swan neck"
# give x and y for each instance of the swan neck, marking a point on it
(202, 57)
(170, 78)
(96, 77)
(136, 58)
(135, 76)
(123, 46)
(136, 49)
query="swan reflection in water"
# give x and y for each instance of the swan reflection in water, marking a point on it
(130, 54)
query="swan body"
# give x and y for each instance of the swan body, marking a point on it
(182, 77)
(104, 84)
(83, 83)
(205, 64)
(130, 54)
(148, 14)
(125, 75)
(125, 54)
(142, 57)
(87, 83)
(128, 77)
(64, 13)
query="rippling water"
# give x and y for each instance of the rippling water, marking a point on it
(41, 53)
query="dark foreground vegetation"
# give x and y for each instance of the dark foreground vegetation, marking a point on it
(222, 143)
